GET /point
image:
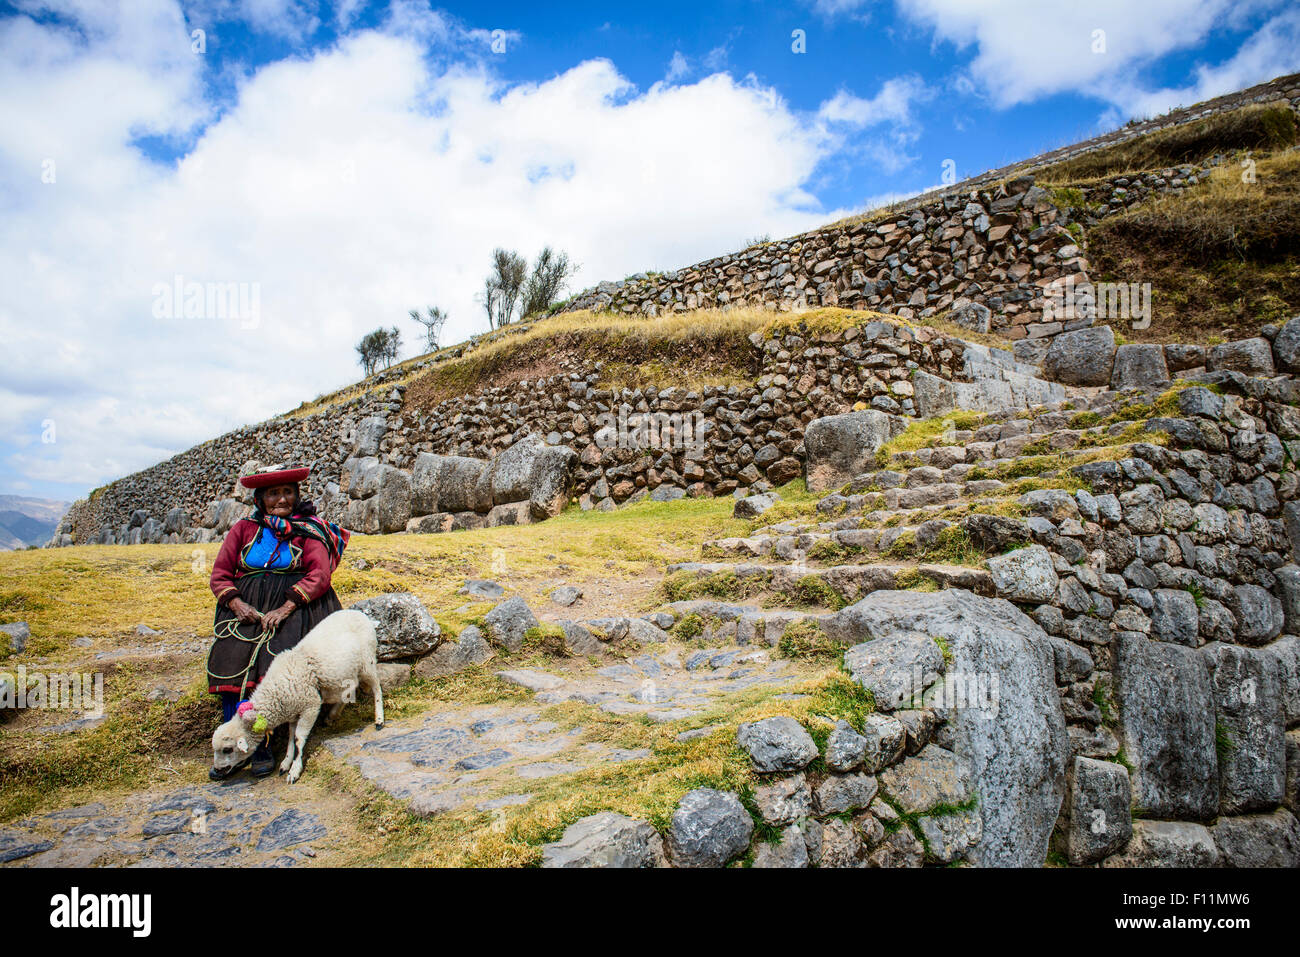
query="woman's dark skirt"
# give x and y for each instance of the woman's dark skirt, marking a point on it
(266, 592)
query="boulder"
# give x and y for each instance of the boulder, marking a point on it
(1017, 747)
(370, 431)
(1026, 574)
(708, 829)
(1249, 725)
(1258, 840)
(508, 622)
(394, 499)
(839, 447)
(1166, 844)
(550, 481)
(1082, 357)
(404, 626)
(449, 483)
(1286, 346)
(1260, 615)
(784, 801)
(1096, 811)
(16, 634)
(752, 506)
(1139, 367)
(1248, 356)
(777, 744)
(933, 777)
(790, 851)
(1166, 707)
(896, 668)
(470, 648)
(512, 513)
(606, 840)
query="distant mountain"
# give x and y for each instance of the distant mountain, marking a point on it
(28, 521)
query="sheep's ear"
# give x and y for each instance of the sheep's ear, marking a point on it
(242, 744)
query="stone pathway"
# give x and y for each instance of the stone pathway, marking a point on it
(241, 823)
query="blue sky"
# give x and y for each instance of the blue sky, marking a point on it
(343, 163)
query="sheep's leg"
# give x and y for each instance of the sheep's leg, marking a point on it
(306, 721)
(288, 751)
(370, 675)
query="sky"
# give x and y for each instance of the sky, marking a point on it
(205, 205)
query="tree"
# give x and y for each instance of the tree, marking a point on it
(381, 345)
(433, 322)
(550, 272)
(503, 286)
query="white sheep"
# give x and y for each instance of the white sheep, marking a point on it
(326, 667)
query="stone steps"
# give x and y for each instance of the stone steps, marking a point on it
(848, 582)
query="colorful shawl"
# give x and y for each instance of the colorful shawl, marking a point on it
(334, 539)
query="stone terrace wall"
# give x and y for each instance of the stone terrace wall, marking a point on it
(753, 435)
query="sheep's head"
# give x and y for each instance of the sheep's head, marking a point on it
(232, 743)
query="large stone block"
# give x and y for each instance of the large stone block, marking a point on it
(1013, 737)
(1139, 367)
(1166, 706)
(1258, 840)
(838, 447)
(1166, 844)
(393, 499)
(1082, 357)
(402, 623)
(449, 483)
(1098, 822)
(1248, 707)
(606, 840)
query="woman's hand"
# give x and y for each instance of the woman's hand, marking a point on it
(245, 612)
(277, 617)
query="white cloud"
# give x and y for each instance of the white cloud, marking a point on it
(678, 67)
(349, 186)
(1025, 49)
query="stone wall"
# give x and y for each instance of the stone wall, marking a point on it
(739, 437)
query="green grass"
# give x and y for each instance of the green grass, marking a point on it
(805, 639)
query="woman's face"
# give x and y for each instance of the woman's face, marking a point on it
(279, 500)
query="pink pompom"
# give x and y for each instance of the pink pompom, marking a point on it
(244, 708)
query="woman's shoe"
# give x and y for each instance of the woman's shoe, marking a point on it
(263, 761)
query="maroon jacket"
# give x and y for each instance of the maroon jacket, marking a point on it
(314, 561)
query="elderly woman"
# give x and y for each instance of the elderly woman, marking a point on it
(272, 582)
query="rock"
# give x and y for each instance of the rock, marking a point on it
(481, 588)
(1096, 811)
(606, 840)
(950, 836)
(934, 776)
(1287, 652)
(1248, 707)
(845, 748)
(393, 675)
(708, 829)
(900, 848)
(566, 595)
(1174, 616)
(1288, 583)
(1259, 614)
(1013, 734)
(1258, 840)
(752, 506)
(1166, 844)
(508, 622)
(370, 431)
(1082, 357)
(791, 851)
(393, 499)
(844, 792)
(550, 481)
(777, 744)
(1286, 346)
(470, 648)
(886, 737)
(896, 668)
(532, 680)
(512, 513)
(17, 633)
(1025, 574)
(1166, 707)
(290, 827)
(449, 483)
(1249, 356)
(838, 845)
(785, 800)
(1201, 402)
(1139, 367)
(404, 626)
(838, 447)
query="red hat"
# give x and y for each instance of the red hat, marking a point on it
(278, 477)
